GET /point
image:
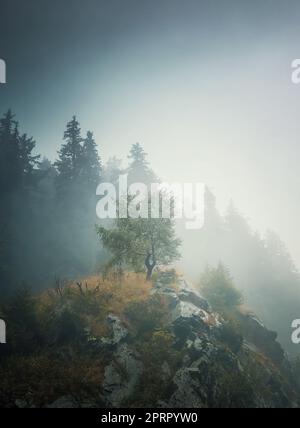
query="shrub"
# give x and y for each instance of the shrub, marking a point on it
(23, 328)
(217, 286)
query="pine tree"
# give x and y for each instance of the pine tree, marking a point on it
(10, 168)
(218, 287)
(91, 163)
(139, 169)
(78, 174)
(28, 161)
(112, 170)
(17, 162)
(17, 177)
(69, 163)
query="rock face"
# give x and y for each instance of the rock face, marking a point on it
(119, 332)
(121, 376)
(215, 357)
(264, 340)
(218, 367)
(124, 371)
(161, 346)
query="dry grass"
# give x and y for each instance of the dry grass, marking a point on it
(117, 293)
(94, 297)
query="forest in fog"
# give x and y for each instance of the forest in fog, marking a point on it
(100, 312)
(149, 205)
(48, 226)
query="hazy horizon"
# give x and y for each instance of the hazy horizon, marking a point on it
(205, 88)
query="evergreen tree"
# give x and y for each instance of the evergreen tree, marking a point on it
(17, 179)
(10, 166)
(139, 169)
(218, 287)
(17, 161)
(112, 170)
(91, 163)
(236, 223)
(69, 164)
(28, 161)
(78, 174)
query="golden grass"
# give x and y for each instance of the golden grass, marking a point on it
(118, 293)
(110, 295)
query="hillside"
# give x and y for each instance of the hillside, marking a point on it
(125, 342)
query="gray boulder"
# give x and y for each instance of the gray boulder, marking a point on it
(118, 331)
(121, 376)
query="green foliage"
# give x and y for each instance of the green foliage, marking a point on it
(17, 160)
(70, 154)
(17, 179)
(140, 243)
(217, 286)
(91, 163)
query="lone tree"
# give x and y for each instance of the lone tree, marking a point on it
(141, 244)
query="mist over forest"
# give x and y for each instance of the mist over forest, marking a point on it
(52, 206)
(141, 312)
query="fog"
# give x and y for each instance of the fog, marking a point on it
(205, 87)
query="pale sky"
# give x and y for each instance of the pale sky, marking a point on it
(204, 86)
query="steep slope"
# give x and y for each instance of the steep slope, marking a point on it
(131, 343)
(217, 366)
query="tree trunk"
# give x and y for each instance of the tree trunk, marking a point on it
(149, 273)
(150, 265)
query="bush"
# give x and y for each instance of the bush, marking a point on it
(23, 328)
(217, 286)
(66, 327)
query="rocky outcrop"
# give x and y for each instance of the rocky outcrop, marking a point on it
(121, 376)
(118, 331)
(166, 349)
(218, 361)
(219, 367)
(264, 340)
